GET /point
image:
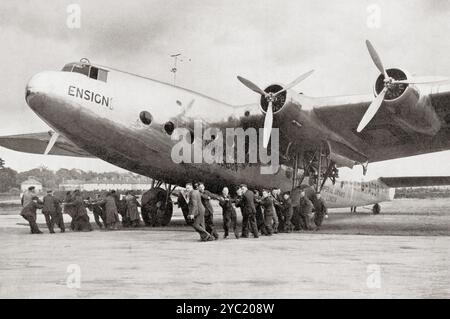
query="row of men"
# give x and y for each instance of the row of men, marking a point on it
(266, 214)
(105, 210)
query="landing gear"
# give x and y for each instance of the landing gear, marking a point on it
(157, 206)
(317, 166)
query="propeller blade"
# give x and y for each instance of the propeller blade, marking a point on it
(376, 58)
(268, 125)
(372, 110)
(422, 80)
(295, 82)
(51, 143)
(252, 86)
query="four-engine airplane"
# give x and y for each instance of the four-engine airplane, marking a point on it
(127, 120)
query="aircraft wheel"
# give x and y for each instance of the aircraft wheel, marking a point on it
(155, 211)
(164, 215)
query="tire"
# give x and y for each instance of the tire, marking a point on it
(155, 211)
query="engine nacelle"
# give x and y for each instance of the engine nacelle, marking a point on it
(411, 109)
(278, 103)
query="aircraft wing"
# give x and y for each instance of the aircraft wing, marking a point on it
(415, 181)
(385, 137)
(36, 143)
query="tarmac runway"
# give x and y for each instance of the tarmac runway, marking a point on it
(404, 252)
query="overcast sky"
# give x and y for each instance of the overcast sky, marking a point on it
(266, 41)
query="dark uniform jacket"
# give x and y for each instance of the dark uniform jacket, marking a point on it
(207, 204)
(247, 203)
(30, 209)
(195, 203)
(69, 209)
(79, 208)
(111, 214)
(287, 207)
(267, 204)
(50, 204)
(132, 207)
(227, 205)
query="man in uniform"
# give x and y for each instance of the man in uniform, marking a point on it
(50, 211)
(287, 210)
(29, 214)
(278, 219)
(28, 195)
(80, 219)
(197, 213)
(248, 209)
(295, 200)
(259, 211)
(320, 210)
(305, 211)
(229, 214)
(209, 213)
(269, 211)
(97, 210)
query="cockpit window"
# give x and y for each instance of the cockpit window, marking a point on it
(88, 70)
(83, 69)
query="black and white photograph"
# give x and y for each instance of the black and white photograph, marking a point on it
(235, 152)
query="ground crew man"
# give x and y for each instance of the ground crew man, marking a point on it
(247, 204)
(132, 210)
(81, 218)
(112, 219)
(295, 200)
(49, 209)
(228, 214)
(320, 210)
(278, 221)
(28, 195)
(209, 213)
(287, 210)
(97, 211)
(259, 211)
(269, 211)
(29, 214)
(305, 210)
(59, 220)
(197, 213)
(69, 209)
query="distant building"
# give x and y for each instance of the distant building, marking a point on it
(141, 183)
(31, 181)
(71, 185)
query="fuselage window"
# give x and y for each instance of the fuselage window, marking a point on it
(98, 74)
(88, 70)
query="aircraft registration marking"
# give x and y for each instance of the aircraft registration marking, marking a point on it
(91, 96)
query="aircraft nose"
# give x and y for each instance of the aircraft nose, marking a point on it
(35, 85)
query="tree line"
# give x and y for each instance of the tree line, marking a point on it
(11, 179)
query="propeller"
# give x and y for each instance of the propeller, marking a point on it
(389, 82)
(271, 97)
(51, 143)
